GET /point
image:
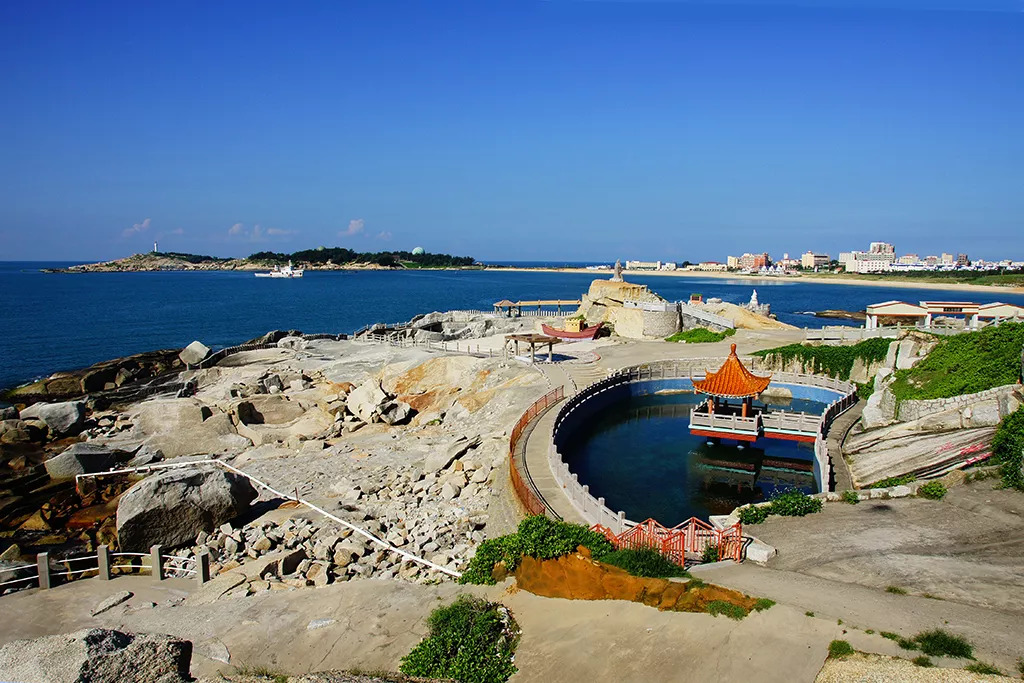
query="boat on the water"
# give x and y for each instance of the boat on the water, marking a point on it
(283, 271)
(581, 331)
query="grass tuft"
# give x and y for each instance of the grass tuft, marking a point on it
(922, 661)
(983, 668)
(644, 562)
(761, 604)
(716, 607)
(838, 649)
(896, 590)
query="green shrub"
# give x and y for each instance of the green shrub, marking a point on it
(838, 649)
(836, 361)
(808, 614)
(893, 481)
(644, 562)
(537, 536)
(851, 497)
(709, 554)
(716, 607)
(890, 635)
(700, 335)
(922, 661)
(942, 643)
(1008, 449)
(470, 641)
(896, 590)
(933, 490)
(761, 604)
(964, 364)
(794, 504)
(983, 668)
(905, 643)
(751, 514)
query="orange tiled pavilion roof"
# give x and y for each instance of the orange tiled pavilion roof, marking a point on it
(732, 380)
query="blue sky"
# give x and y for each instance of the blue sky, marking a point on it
(579, 130)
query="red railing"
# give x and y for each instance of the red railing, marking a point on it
(676, 543)
(530, 500)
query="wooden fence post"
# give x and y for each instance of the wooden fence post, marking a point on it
(43, 567)
(103, 562)
(157, 560)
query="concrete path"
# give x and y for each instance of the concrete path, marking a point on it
(536, 441)
(371, 624)
(995, 634)
(836, 434)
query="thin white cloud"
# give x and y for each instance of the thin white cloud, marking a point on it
(355, 226)
(384, 235)
(257, 233)
(136, 228)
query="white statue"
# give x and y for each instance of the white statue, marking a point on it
(618, 272)
(753, 300)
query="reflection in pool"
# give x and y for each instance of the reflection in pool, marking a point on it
(640, 456)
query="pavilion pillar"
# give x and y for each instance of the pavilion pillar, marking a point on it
(551, 352)
(928, 321)
(533, 348)
(743, 411)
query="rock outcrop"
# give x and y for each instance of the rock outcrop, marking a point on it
(172, 507)
(81, 458)
(194, 353)
(98, 656)
(62, 419)
(370, 403)
(186, 426)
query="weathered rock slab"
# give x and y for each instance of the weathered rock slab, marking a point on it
(97, 656)
(81, 458)
(66, 418)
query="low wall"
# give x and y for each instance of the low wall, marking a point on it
(988, 407)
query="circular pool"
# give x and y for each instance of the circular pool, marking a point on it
(635, 450)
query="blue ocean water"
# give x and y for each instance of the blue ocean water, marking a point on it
(51, 322)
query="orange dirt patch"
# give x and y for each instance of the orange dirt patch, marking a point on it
(578, 577)
(435, 399)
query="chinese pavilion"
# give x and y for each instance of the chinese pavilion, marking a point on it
(731, 381)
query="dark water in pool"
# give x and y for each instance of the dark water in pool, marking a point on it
(640, 455)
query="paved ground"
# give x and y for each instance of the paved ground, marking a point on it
(371, 624)
(968, 547)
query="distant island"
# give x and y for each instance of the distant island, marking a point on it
(320, 258)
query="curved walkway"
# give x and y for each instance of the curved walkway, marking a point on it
(836, 435)
(536, 441)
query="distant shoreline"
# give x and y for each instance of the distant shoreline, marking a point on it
(838, 280)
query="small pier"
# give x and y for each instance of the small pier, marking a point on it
(516, 309)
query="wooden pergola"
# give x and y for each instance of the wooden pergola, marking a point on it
(534, 340)
(515, 308)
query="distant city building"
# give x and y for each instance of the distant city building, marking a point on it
(811, 260)
(754, 261)
(878, 258)
(947, 259)
(643, 265)
(931, 261)
(962, 260)
(909, 259)
(789, 263)
(732, 262)
(881, 248)
(712, 266)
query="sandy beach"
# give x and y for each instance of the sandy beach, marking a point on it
(838, 280)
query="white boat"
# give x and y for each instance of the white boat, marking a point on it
(286, 271)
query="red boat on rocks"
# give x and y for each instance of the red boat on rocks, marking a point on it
(583, 332)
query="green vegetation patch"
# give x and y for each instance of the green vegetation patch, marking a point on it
(964, 364)
(761, 604)
(939, 643)
(933, 490)
(895, 590)
(341, 255)
(539, 537)
(983, 668)
(923, 661)
(470, 641)
(1008, 449)
(838, 649)
(644, 562)
(700, 335)
(716, 607)
(851, 497)
(788, 504)
(893, 481)
(836, 361)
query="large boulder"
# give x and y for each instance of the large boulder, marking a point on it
(81, 458)
(97, 656)
(186, 426)
(365, 400)
(16, 432)
(172, 507)
(63, 419)
(194, 353)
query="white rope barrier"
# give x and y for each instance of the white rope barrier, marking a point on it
(316, 508)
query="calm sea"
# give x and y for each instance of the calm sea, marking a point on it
(53, 322)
